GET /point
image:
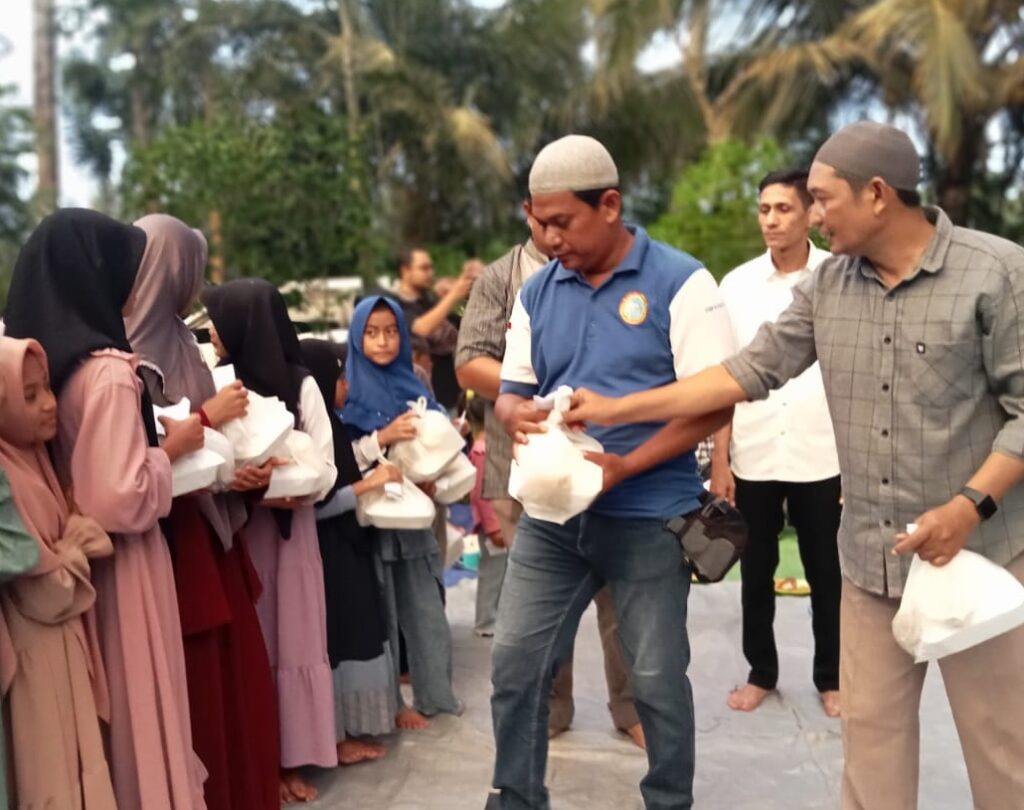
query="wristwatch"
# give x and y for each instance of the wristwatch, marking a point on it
(983, 503)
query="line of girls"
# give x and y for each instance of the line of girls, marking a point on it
(194, 652)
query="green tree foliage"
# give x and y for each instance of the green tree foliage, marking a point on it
(283, 190)
(15, 208)
(713, 212)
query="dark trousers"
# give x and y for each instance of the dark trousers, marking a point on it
(814, 510)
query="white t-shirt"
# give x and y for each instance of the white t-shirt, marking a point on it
(787, 437)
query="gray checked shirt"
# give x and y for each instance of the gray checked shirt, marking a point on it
(482, 334)
(924, 380)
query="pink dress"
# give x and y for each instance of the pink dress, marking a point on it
(125, 485)
(293, 615)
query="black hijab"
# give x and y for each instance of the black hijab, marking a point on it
(71, 280)
(251, 319)
(322, 359)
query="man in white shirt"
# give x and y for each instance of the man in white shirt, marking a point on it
(777, 459)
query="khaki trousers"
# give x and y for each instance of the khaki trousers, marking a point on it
(616, 671)
(881, 693)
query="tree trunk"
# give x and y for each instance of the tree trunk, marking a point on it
(348, 71)
(955, 179)
(45, 104)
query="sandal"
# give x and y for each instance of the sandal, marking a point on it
(792, 586)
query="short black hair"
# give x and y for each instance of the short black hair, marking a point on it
(405, 257)
(909, 197)
(592, 196)
(794, 178)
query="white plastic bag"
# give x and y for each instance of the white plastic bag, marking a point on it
(437, 442)
(301, 477)
(218, 443)
(266, 423)
(455, 481)
(549, 476)
(199, 469)
(394, 508)
(950, 608)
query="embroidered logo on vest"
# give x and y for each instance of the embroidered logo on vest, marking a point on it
(633, 308)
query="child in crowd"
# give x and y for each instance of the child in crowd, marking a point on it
(251, 329)
(72, 285)
(422, 362)
(381, 383)
(357, 633)
(232, 695)
(53, 673)
(493, 554)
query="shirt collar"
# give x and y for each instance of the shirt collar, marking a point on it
(632, 262)
(530, 249)
(815, 256)
(934, 256)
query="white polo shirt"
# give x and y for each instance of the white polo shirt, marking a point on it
(787, 437)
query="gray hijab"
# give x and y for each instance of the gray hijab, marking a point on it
(169, 281)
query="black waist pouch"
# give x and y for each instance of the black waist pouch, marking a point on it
(713, 537)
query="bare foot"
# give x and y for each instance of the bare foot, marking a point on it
(746, 698)
(297, 788)
(636, 734)
(830, 703)
(352, 750)
(410, 719)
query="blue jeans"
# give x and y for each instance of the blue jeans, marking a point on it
(553, 573)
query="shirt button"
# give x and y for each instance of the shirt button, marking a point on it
(885, 480)
(885, 432)
(888, 523)
(887, 340)
(885, 386)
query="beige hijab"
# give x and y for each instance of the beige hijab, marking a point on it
(169, 281)
(58, 587)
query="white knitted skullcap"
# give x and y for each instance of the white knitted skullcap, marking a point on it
(573, 163)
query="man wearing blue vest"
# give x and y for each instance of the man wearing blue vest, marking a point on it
(618, 312)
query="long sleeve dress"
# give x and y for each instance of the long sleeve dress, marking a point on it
(58, 691)
(125, 485)
(292, 610)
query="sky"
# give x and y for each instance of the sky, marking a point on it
(77, 186)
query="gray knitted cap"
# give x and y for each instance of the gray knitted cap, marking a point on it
(868, 149)
(573, 163)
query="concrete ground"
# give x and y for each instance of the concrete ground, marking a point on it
(785, 756)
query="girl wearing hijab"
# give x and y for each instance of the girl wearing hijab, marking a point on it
(381, 383)
(55, 687)
(251, 329)
(231, 689)
(19, 552)
(364, 696)
(72, 280)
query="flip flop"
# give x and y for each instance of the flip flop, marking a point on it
(792, 586)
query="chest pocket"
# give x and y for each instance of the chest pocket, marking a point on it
(941, 373)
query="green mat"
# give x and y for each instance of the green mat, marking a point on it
(789, 559)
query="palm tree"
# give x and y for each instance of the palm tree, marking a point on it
(956, 65)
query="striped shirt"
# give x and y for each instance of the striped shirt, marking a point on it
(482, 334)
(924, 380)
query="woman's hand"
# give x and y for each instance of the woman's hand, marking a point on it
(182, 437)
(400, 429)
(231, 402)
(250, 477)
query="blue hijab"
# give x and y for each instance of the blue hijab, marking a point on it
(379, 394)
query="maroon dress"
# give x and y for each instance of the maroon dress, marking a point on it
(231, 690)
